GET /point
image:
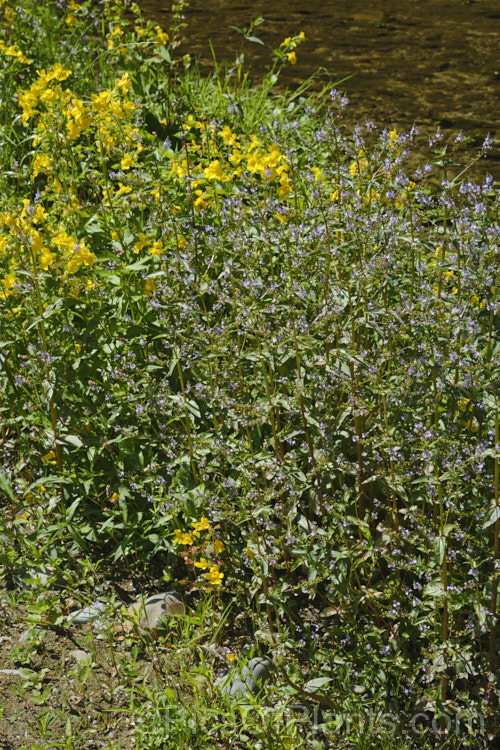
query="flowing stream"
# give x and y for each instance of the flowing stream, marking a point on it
(425, 62)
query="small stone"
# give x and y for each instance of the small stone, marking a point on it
(26, 634)
(80, 656)
(87, 614)
(34, 577)
(238, 689)
(246, 680)
(16, 672)
(154, 612)
(95, 611)
(173, 604)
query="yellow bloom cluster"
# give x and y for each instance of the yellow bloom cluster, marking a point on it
(107, 111)
(30, 241)
(13, 51)
(155, 247)
(210, 547)
(288, 46)
(265, 162)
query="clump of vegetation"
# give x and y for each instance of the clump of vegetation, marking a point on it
(246, 352)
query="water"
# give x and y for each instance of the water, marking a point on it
(425, 62)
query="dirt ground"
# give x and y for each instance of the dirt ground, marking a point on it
(62, 700)
(71, 687)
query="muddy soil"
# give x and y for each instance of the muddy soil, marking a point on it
(425, 62)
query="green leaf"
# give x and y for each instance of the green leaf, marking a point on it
(72, 509)
(165, 54)
(316, 684)
(5, 485)
(70, 440)
(492, 517)
(434, 590)
(440, 549)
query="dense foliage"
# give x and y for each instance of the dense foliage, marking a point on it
(244, 348)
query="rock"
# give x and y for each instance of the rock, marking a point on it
(248, 679)
(154, 612)
(87, 614)
(26, 634)
(13, 672)
(80, 656)
(35, 576)
(95, 611)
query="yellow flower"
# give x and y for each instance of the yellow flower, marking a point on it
(200, 201)
(182, 538)
(149, 287)
(81, 256)
(142, 243)
(219, 546)
(40, 214)
(27, 101)
(46, 258)
(161, 36)
(202, 525)
(254, 142)
(181, 170)
(123, 189)
(214, 576)
(58, 73)
(156, 248)
(49, 96)
(124, 83)
(292, 58)
(41, 163)
(229, 138)
(101, 101)
(126, 162)
(235, 157)
(70, 19)
(214, 172)
(202, 563)
(7, 282)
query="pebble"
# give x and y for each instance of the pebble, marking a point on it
(248, 679)
(33, 577)
(89, 614)
(80, 656)
(28, 632)
(154, 611)
(13, 671)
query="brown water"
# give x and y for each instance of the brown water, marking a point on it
(423, 62)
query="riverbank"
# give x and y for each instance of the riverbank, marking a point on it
(428, 64)
(248, 368)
